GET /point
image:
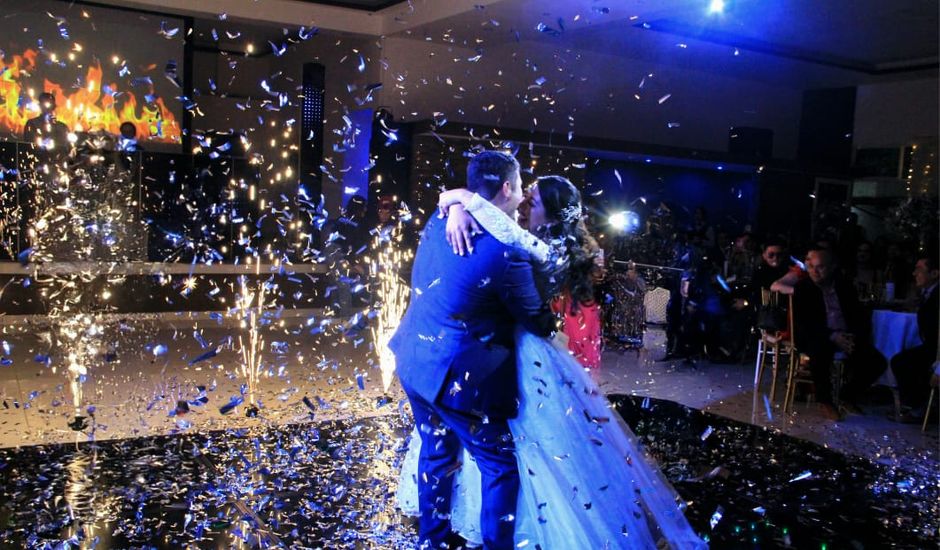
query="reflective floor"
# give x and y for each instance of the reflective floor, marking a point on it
(331, 484)
(171, 455)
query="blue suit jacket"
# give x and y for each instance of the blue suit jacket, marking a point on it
(455, 344)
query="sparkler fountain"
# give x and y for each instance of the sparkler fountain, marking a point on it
(250, 308)
(78, 200)
(391, 290)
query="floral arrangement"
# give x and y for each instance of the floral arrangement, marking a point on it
(915, 219)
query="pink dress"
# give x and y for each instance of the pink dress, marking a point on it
(583, 329)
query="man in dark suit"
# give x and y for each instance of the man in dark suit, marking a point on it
(829, 320)
(912, 367)
(456, 360)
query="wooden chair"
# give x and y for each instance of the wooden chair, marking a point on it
(774, 346)
(799, 373)
(933, 391)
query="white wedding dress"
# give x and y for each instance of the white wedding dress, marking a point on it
(585, 482)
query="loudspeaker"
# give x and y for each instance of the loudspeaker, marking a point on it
(311, 128)
(390, 151)
(826, 126)
(745, 141)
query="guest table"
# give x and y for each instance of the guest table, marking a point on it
(893, 332)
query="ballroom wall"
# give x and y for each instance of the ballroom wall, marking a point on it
(594, 89)
(891, 114)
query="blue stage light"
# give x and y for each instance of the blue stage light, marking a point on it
(716, 6)
(625, 221)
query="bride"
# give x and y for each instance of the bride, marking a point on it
(585, 480)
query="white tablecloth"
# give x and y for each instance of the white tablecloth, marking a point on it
(893, 332)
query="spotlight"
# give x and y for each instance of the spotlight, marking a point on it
(716, 6)
(626, 221)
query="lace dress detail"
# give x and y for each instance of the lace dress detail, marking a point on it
(550, 263)
(505, 229)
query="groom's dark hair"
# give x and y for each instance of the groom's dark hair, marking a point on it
(488, 170)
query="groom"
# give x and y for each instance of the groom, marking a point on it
(456, 360)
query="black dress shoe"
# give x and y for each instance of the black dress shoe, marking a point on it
(455, 542)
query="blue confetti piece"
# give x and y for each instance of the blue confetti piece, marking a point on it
(716, 517)
(159, 350)
(207, 355)
(202, 342)
(277, 51)
(168, 33)
(805, 475)
(360, 382)
(6, 361)
(723, 283)
(23, 257)
(235, 401)
(708, 431)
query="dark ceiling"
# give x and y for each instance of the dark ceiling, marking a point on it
(367, 5)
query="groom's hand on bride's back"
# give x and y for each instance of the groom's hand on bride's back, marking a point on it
(460, 229)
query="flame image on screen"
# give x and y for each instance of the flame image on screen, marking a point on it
(85, 108)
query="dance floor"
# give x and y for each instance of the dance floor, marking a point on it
(331, 484)
(169, 460)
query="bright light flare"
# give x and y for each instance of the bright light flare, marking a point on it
(625, 221)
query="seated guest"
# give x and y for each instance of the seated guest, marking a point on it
(829, 320)
(626, 315)
(796, 272)
(896, 269)
(741, 259)
(865, 276)
(913, 367)
(774, 264)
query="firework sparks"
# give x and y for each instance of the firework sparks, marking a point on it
(392, 294)
(250, 308)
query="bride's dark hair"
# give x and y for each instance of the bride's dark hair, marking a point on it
(562, 202)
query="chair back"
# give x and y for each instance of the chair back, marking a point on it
(791, 326)
(772, 319)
